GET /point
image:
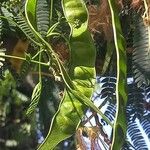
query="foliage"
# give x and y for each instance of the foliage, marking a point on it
(141, 57)
(17, 131)
(47, 47)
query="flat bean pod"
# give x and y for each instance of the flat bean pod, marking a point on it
(82, 73)
(120, 125)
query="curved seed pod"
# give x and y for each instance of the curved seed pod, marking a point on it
(82, 73)
(120, 126)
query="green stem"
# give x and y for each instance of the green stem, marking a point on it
(51, 11)
(37, 54)
(61, 35)
(22, 58)
(40, 76)
(51, 52)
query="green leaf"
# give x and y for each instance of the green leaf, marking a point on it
(23, 25)
(2, 52)
(35, 98)
(141, 52)
(109, 53)
(52, 28)
(42, 17)
(19, 21)
(25, 67)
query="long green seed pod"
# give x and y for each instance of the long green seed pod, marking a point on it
(82, 73)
